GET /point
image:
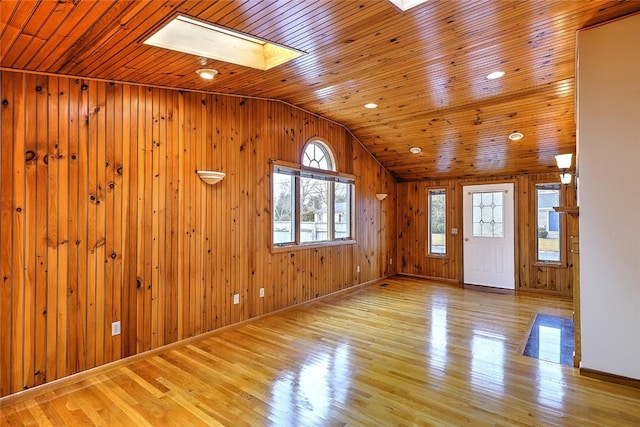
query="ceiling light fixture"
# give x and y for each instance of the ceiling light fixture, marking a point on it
(415, 150)
(516, 136)
(371, 105)
(195, 37)
(495, 75)
(207, 73)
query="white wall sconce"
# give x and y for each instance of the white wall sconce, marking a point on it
(564, 163)
(381, 196)
(211, 177)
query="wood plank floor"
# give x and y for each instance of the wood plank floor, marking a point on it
(408, 353)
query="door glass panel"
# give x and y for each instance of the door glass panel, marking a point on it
(477, 229)
(488, 208)
(497, 214)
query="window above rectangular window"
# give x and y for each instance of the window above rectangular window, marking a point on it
(312, 204)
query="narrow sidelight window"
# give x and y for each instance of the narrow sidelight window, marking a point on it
(437, 222)
(548, 222)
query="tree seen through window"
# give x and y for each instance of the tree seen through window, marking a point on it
(323, 211)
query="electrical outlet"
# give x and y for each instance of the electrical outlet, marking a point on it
(357, 269)
(261, 292)
(115, 328)
(236, 299)
(390, 261)
(454, 231)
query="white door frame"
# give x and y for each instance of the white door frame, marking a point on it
(489, 261)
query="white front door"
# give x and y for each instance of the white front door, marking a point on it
(489, 235)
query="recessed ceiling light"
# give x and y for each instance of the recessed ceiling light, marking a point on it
(207, 73)
(516, 136)
(195, 37)
(371, 105)
(495, 75)
(415, 150)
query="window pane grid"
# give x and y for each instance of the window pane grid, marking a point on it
(488, 210)
(309, 206)
(316, 155)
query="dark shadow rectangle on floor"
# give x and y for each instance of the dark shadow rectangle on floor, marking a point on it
(551, 339)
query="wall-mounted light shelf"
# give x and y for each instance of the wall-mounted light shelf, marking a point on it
(211, 177)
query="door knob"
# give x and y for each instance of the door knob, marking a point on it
(466, 239)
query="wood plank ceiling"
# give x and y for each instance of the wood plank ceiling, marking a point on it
(426, 68)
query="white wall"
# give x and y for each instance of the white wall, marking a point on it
(609, 194)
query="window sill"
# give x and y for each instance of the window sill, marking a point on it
(548, 264)
(313, 245)
(569, 210)
(434, 256)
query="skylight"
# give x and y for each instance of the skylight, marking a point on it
(188, 35)
(405, 5)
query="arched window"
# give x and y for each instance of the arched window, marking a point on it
(316, 154)
(312, 203)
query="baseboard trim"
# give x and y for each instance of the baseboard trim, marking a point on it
(566, 296)
(431, 278)
(80, 376)
(612, 378)
(489, 289)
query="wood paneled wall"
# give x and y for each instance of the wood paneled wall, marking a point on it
(103, 218)
(530, 275)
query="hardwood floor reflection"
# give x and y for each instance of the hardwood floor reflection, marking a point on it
(408, 353)
(551, 339)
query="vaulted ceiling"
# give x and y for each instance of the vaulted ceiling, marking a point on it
(425, 68)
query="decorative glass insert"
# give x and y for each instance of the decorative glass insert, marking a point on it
(488, 210)
(548, 222)
(437, 222)
(317, 155)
